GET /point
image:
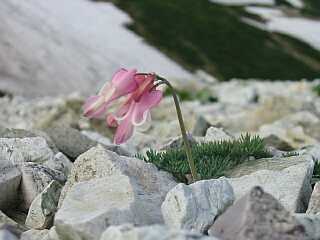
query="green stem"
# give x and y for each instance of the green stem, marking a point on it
(183, 129)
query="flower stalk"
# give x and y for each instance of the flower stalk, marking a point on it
(182, 127)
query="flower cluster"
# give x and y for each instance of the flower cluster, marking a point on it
(141, 95)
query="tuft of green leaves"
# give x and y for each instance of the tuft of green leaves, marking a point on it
(212, 159)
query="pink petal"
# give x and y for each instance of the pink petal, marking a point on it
(111, 121)
(124, 82)
(145, 83)
(89, 101)
(92, 111)
(124, 131)
(147, 101)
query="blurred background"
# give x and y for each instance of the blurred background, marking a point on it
(240, 65)
(55, 47)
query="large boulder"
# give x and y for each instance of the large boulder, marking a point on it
(107, 189)
(286, 178)
(92, 206)
(196, 206)
(257, 216)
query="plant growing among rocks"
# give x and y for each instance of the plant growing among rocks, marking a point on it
(212, 159)
(142, 95)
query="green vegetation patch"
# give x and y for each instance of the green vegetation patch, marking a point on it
(311, 8)
(203, 35)
(204, 95)
(316, 89)
(316, 172)
(212, 159)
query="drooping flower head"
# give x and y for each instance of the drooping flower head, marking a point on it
(141, 96)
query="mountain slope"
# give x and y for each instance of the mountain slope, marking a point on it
(204, 35)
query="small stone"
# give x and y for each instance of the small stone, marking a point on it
(21, 150)
(60, 163)
(311, 225)
(35, 178)
(6, 221)
(33, 234)
(276, 142)
(292, 129)
(200, 127)
(178, 142)
(44, 234)
(70, 141)
(196, 206)
(5, 234)
(257, 216)
(314, 203)
(214, 134)
(44, 206)
(155, 232)
(22, 133)
(10, 178)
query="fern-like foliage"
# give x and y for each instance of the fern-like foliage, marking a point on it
(212, 159)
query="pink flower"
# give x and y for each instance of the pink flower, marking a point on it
(121, 84)
(141, 97)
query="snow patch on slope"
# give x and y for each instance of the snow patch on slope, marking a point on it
(304, 29)
(58, 46)
(244, 2)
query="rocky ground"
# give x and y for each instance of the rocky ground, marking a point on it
(61, 177)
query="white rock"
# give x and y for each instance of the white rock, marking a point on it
(195, 206)
(107, 189)
(92, 206)
(60, 163)
(292, 129)
(314, 202)
(20, 150)
(236, 92)
(33, 234)
(44, 206)
(5, 221)
(311, 224)
(10, 178)
(287, 179)
(45, 234)
(97, 137)
(217, 134)
(155, 232)
(7, 235)
(35, 178)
